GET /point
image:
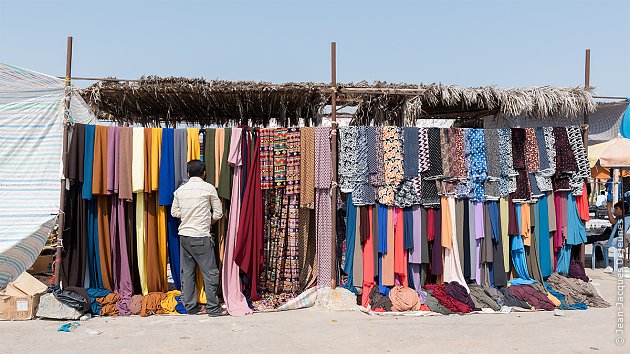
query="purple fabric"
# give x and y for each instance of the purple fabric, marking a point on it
(415, 276)
(415, 255)
(576, 270)
(113, 164)
(120, 260)
(459, 293)
(479, 235)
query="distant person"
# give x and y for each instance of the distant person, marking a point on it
(601, 199)
(198, 206)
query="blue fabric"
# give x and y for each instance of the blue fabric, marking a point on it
(563, 301)
(88, 162)
(382, 228)
(493, 210)
(624, 127)
(477, 161)
(518, 217)
(180, 308)
(564, 259)
(576, 233)
(167, 169)
(351, 226)
(382, 245)
(408, 229)
(93, 257)
(544, 251)
(93, 293)
(172, 225)
(519, 261)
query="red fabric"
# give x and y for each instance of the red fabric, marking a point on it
(430, 224)
(249, 243)
(424, 307)
(582, 204)
(368, 260)
(445, 300)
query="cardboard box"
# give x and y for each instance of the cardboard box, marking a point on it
(19, 300)
(43, 264)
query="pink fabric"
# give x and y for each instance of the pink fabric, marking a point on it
(558, 237)
(232, 294)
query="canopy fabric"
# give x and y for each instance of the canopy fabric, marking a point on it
(31, 137)
(617, 154)
(595, 151)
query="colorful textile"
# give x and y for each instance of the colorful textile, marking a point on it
(280, 157)
(392, 150)
(323, 179)
(307, 167)
(266, 158)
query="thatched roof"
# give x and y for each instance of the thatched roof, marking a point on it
(152, 100)
(170, 100)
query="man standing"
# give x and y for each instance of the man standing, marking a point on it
(198, 206)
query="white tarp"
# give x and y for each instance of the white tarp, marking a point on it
(31, 137)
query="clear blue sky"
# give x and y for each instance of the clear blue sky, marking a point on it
(463, 42)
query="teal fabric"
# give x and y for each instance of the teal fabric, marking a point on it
(624, 127)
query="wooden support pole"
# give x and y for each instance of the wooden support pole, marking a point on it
(333, 141)
(62, 197)
(587, 85)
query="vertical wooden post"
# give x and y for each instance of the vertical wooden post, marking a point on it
(62, 198)
(333, 140)
(587, 85)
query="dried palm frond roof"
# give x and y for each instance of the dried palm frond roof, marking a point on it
(152, 100)
(171, 100)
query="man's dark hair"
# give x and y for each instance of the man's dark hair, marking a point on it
(196, 168)
(623, 206)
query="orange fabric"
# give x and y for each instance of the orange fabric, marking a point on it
(109, 304)
(368, 260)
(526, 224)
(388, 258)
(99, 166)
(219, 142)
(447, 224)
(582, 204)
(156, 151)
(152, 304)
(152, 260)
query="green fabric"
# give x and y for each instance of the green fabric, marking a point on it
(208, 155)
(225, 174)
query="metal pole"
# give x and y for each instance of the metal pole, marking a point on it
(62, 198)
(333, 140)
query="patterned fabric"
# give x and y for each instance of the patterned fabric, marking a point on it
(410, 152)
(456, 141)
(378, 179)
(423, 150)
(323, 210)
(266, 158)
(531, 151)
(392, 153)
(406, 194)
(542, 150)
(307, 167)
(429, 191)
(565, 160)
(494, 164)
(280, 157)
(550, 145)
(370, 136)
(581, 158)
(507, 183)
(478, 172)
(518, 148)
(293, 161)
(523, 188)
(347, 158)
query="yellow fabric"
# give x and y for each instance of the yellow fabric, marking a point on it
(505, 237)
(137, 160)
(526, 225)
(194, 152)
(169, 302)
(219, 141)
(156, 150)
(201, 291)
(161, 229)
(142, 271)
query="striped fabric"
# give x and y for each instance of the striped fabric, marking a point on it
(31, 134)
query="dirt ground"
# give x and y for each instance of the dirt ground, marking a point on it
(307, 331)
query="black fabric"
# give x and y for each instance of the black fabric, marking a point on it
(511, 300)
(459, 293)
(70, 298)
(378, 301)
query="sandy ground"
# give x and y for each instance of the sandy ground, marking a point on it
(307, 331)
